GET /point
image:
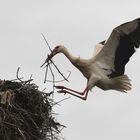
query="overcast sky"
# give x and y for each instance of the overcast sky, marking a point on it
(79, 25)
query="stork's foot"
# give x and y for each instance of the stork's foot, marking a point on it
(61, 89)
(81, 95)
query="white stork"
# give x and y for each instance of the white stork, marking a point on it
(106, 68)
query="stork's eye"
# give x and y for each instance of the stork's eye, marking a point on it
(56, 47)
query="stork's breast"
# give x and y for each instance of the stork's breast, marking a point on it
(85, 70)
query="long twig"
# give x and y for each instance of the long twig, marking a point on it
(57, 103)
(46, 42)
(59, 71)
(58, 81)
(46, 72)
(52, 76)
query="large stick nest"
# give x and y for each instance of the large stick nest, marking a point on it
(26, 113)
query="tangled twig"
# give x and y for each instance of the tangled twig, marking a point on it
(49, 61)
(27, 81)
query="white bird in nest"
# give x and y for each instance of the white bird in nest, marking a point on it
(106, 68)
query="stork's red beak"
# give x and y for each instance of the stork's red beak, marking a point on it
(53, 53)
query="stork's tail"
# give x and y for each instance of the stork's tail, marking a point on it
(121, 83)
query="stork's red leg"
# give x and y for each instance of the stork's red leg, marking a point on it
(81, 95)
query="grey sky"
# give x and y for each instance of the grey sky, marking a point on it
(79, 25)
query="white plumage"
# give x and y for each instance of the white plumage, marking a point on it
(106, 68)
(98, 48)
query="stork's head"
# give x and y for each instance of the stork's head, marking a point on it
(56, 50)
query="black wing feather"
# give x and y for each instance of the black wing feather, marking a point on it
(119, 47)
(126, 48)
(122, 55)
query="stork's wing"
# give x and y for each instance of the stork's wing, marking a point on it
(120, 46)
(98, 48)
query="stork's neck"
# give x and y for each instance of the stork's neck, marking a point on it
(72, 58)
(81, 64)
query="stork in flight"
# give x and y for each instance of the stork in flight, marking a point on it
(106, 68)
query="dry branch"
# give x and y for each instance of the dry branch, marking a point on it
(48, 63)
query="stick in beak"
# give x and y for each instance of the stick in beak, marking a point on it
(53, 53)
